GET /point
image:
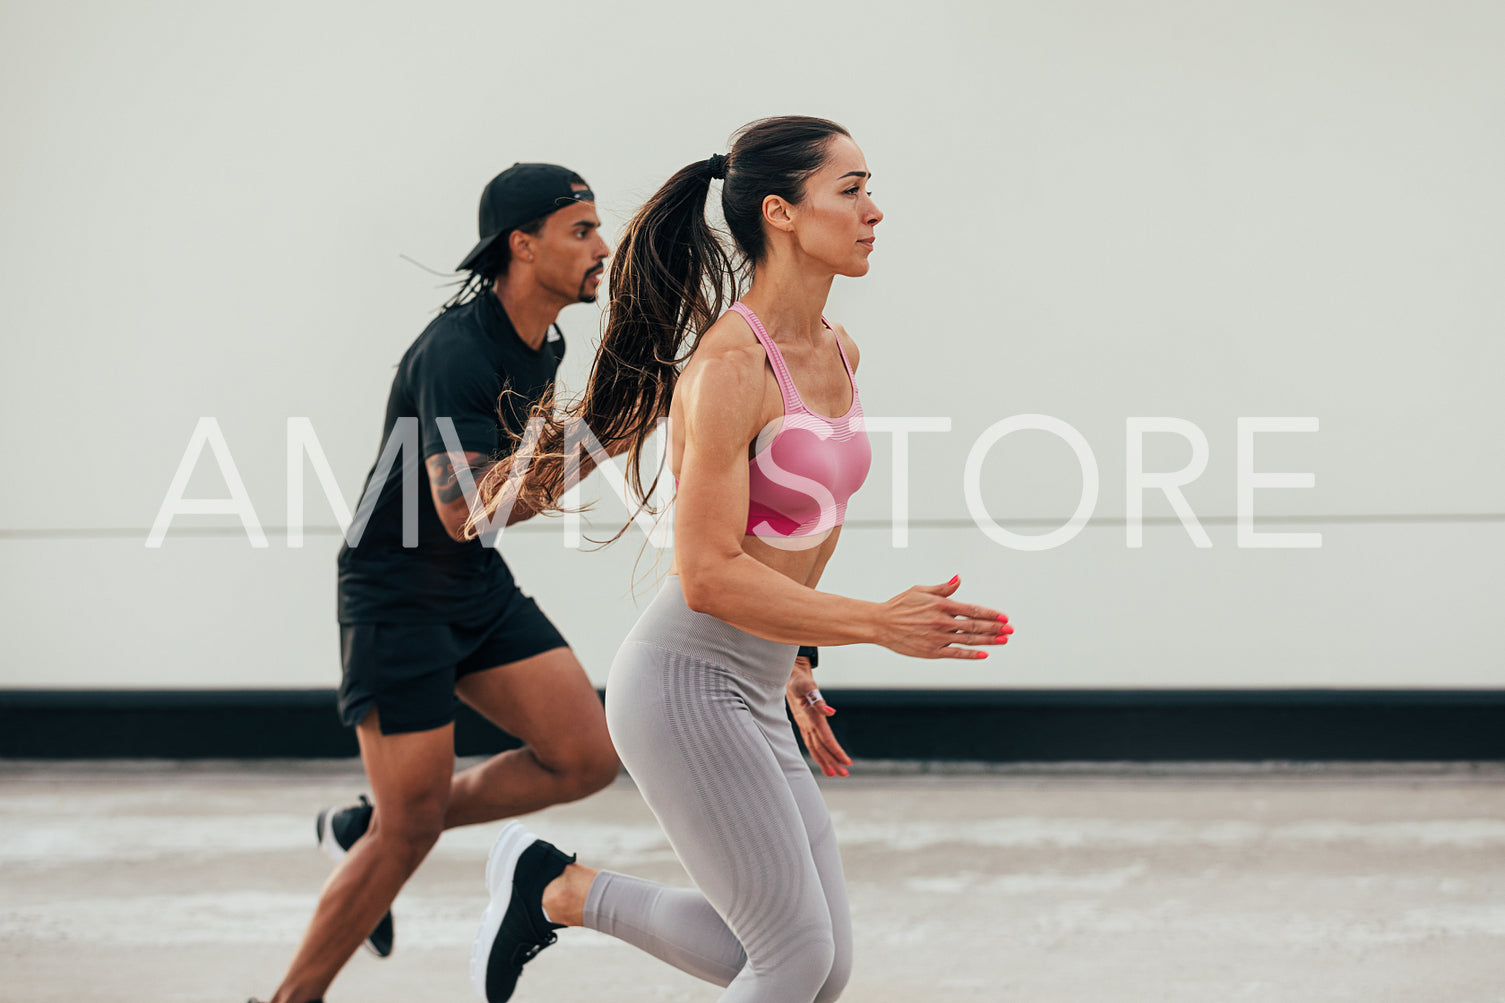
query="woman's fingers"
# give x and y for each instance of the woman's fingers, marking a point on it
(979, 632)
(973, 611)
(954, 633)
(827, 760)
(833, 765)
(944, 589)
(827, 741)
(951, 651)
(821, 742)
(830, 764)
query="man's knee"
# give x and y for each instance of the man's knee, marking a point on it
(604, 767)
(411, 830)
(584, 770)
(596, 771)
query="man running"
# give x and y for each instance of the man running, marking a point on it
(426, 615)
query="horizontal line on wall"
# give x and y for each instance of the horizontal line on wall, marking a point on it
(135, 699)
(544, 529)
(966, 725)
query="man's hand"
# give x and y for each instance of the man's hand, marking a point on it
(811, 718)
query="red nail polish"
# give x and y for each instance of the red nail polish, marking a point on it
(954, 579)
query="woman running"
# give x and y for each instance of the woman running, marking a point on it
(768, 444)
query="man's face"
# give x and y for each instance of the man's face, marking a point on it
(570, 253)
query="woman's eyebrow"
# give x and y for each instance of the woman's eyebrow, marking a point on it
(854, 174)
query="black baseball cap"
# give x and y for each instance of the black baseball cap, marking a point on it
(521, 194)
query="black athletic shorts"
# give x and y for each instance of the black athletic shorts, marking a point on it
(407, 671)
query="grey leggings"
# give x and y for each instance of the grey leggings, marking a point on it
(696, 710)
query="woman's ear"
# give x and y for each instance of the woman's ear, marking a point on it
(777, 213)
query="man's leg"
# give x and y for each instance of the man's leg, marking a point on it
(548, 702)
(410, 782)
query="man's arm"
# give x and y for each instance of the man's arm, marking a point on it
(449, 493)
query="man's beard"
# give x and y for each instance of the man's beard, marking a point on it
(582, 295)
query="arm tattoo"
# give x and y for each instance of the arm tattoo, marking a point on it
(446, 481)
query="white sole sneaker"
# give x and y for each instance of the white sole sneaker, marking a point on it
(327, 843)
(501, 864)
(330, 846)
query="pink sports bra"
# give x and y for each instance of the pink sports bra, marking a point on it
(805, 466)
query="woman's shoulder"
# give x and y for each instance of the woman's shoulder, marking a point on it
(726, 387)
(728, 352)
(848, 344)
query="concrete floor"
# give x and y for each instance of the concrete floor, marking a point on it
(160, 881)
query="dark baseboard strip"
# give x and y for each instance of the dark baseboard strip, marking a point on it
(933, 725)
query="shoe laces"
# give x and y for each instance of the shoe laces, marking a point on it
(525, 953)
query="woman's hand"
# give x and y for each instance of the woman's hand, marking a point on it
(925, 622)
(811, 718)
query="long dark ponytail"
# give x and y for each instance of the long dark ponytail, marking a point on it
(670, 280)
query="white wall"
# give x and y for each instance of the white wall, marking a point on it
(1095, 212)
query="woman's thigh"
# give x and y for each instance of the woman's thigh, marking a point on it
(686, 734)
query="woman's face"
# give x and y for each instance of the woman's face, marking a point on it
(834, 224)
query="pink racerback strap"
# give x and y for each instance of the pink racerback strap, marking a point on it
(851, 376)
(792, 399)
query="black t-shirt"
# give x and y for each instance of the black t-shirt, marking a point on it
(456, 369)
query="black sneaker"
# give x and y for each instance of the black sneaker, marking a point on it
(338, 829)
(513, 928)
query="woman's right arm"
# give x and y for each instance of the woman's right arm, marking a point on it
(722, 409)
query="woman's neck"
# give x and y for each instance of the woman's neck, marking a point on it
(789, 299)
